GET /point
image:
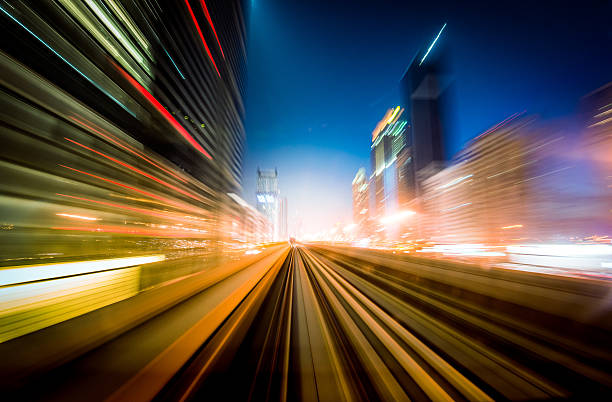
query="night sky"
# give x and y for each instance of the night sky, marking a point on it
(323, 73)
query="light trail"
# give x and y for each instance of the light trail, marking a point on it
(104, 91)
(127, 165)
(181, 130)
(195, 21)
(85, 218)
(203, 3)
(32, 273)
(117, 142)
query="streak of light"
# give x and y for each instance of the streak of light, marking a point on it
(85, 218)
(203, 3)
(67, 62)
(164, 112)
(397, 217)
(456, 181)
(31, 273)
(174, 64)
(432, 44)
(117, 33)
(512, 227)
(163, 199)
(127, 22)
(131, 231)
(250, 252)
(390, 119)
(112, 204)
(195, 21)
(465, 204)
(116, 141)
(127, 165)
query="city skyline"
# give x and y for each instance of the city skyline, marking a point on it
(325, 146)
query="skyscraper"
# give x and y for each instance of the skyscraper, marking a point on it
(361, 207)
(268, 199)
(424, 95)
(388, 141)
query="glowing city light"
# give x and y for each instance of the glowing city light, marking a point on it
(398, 217)
(85, 218)
(31, 273)
(512, 227)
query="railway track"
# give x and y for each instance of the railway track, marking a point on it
(316, 323)
(331, 328)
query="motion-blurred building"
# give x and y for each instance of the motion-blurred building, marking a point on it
(123, 133)
(388, 140)
(596, 119)
(361, 201)
(485, 196)
(268, 199)
(424, 94)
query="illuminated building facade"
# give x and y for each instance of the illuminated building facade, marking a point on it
(268, 199)
(361, 200)
(423, 91)
(486, 196)
(389, 139)
(596, 119)
(138, 109)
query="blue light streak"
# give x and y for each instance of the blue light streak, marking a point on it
(175, 66)
(67, 62)
(432, 44)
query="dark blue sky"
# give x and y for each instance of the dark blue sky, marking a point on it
(323, 73)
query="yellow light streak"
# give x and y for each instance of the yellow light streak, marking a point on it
(30, 273)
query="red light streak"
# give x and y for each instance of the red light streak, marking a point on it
(203, 3)
(134, 169)
(164, 112)
(163, 199)
(116, 141)
(202, 36)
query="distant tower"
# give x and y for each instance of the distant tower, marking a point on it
(268, 199)
(361, 208)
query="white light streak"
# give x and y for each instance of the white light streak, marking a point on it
(432, 44)
(85, 218)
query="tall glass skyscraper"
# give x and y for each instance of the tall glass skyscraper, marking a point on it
(268, 202)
